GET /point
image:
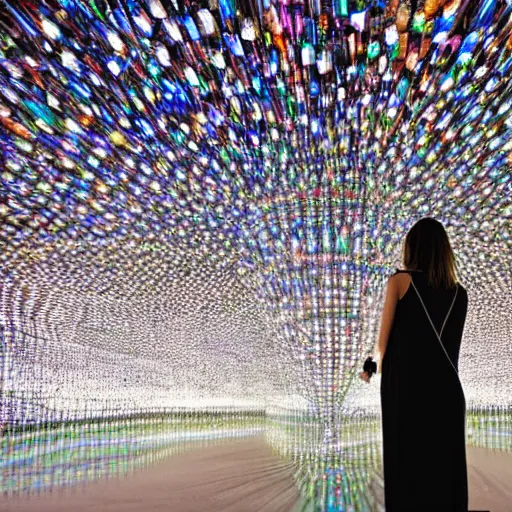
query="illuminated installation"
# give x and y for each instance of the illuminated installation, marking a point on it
(200, 203)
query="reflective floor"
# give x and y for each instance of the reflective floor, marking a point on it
(232, 475)
(237, 475)
(226, 460)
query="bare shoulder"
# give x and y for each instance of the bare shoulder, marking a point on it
(394, 283)
(399, 278)
(399, 283)
(393, 280)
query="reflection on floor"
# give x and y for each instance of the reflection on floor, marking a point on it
(241, 475)
(490, 479)
(236, 475)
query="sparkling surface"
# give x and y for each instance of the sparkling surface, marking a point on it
(200, 201)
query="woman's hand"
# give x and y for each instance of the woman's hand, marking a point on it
(365, 376)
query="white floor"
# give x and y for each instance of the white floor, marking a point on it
(237, 476)
(490, 480)
(232, 476)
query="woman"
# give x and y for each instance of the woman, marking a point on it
(422, 399)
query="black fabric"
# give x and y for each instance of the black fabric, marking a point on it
(423, 404)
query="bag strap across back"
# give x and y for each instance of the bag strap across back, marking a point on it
(438, 335)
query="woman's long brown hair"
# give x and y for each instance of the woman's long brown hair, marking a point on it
(427, 248)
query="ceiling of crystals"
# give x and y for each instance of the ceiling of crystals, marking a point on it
(218, 189)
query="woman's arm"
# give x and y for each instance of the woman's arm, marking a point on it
(388, 315)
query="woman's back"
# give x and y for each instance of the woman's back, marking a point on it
(411, 320)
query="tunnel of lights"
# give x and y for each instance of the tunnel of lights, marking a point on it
(200, 202)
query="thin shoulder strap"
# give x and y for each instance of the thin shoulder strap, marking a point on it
(444, 323)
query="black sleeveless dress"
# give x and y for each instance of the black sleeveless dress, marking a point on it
(423, 403)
